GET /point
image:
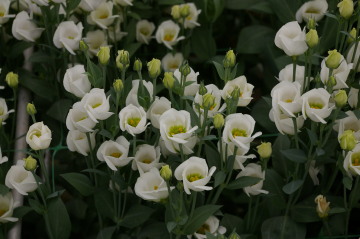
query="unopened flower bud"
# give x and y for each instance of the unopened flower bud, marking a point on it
(168, 80)
(185, 69)
(341, 98)
(137, 65)
(30, 109)
(346, 8)
(202, 88)
(118, 85)
(208, 101)
(311, 24)
(83, 46)
(353, 36)
(12, 79)
(185, 10)
(219, 121)
(234, 235)
(123, 60)
(264, 150)
(175, 12)
(104, 55)
(230, 59)
(165, 172)
(333, 60)
(235, 94)
(331, 82)
(347, 140)
(154, 68)
(322, 207)
(30, 163)
(312, 38)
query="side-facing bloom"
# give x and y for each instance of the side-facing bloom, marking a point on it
(314, 9)
(350, 122)
(316, 106)
(7, 206)
(38, 136)
(102, 15)
(286, 98)
(191, 20)
(4, 11)
(171, 62)
(114, 153)
(95, 40)
(156, 109)
(132, 97)
(79, 119)
(68, 36)
(78, 142)
(167, 34)
(144, 30)
(341, 73)
(76, 81)
(4, 112)
(212, 226)
(195, 174)
(352, 57)
(190, 89)
(228, 149)
(245, 88)
(133, 119)
(284, 123)
(124, 3)
(286, 74)
(253, 170)
(146, 158)
(291, 39)
(20, 179)
(24, 28)
(322, 206)
(352, 161)
(353, 97)
(90, 5)
(96, 104)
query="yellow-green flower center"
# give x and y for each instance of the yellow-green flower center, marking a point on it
(239, 132)
(288, 100)
(168, 37)
(156, 187)
(134, 121)
(194, 177)
(96, 105)
(312, 10)
(144, 31)
(147, 161)
(177, 129)
(116, 154)
(203, 229)
(316, 106)
(355, 159)
(2, 14)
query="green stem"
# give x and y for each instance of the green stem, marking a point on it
(249, 214)
(92, 159)
(294, 58)
(193, 204)
(182, 153)
(44, 169)
(295, 132)
(326, 224)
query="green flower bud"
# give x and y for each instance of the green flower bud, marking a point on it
(346, 8)
(230, 59)
(165, 172)
(137, 65)
(118, 85)
(175, 12)
(103, 55)
(353, 36)
(235, 94)
(12, 79)
(185, 11)
(123, 60)
(219, 121)
(234, 235)
(312, 38)
(331, 82)
(311, 24)
(185, 69)
(168, 80)
(348, 140)
(208, 101)
(30, 109)
(83, 46)
(333, 59)
(202, 89)
(341, 98)
(30, 163)
(264, 150)
(154, 68)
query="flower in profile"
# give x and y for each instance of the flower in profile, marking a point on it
(95, 40)
(146, 158)
(212, 226)
(124, 3)
(245, 88)
(156, 109)
(90, 5)
(191, 18)
(212, 105)
(78, 142)
(322, 206)
(4, 112)
(284, 123)
(253, 170)
(4, 11)
(352, 161)
(354, 57)
(314, 9)
(96, 104)
(171, 62)
(7, 206)
(79, 119)
(38, 136)
(350, 122)
(286, 98)
(167, 34)
(132, 97)
(114, 153)
(316, 106)
(20, 179)
(24, 28)
(133, 119)
(144, 30)
(68, 36)
(190, 88)
(102, 15)
(286, 74)
(353, 98)
(76, 81)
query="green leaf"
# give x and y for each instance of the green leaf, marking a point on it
(105, 133)
(231, 222)
(203, 43)
(260, 112)
(60, 109)
(219, 178)
(220, 69)
(336, 210)
(3, 189)
(243, 182)
(295, 155)
(250, 5)
(143, 95)
(213, 9)
(201, 214)
(106, 233)
(170, 2)
(305, 211)
(312, 136)
(347, 181)
(18, 48)
(20, 212)
(293, 186)
(253, 39)
(357, 113)
(281, 164)
(40, 57)
(154, 231)
(80, 182)
(273, 183)
(59, 219)
(136, 216)
(94, 73)
(36, 206)
(209, 137)
(72, 4)
(212, 155)
(104, 203)
(273, 227)
(284, 9)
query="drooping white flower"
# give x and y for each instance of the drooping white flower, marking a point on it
(95, 40)
(4, 11)
(77, 142)
(314, 9)
(341, 73)
(195, 174)
(172, 62)
(352, 161)
(146, 158)
(245, 88)
(102, 15)
(167, 34)
(212, 226)
(4, 112)
(24, 28)
(133, 119)
(286, 74)
(156, 109)
(144, 30)
(284, 123)
(20, 179)
(132, 97)
(191, 89)
(7, 206)
(76, 81)
(316, 106)
(96, 104)
(353, 98)
(253, 170)
(286, 98)
(68, 36)
(90, 5)
(38, 136)
(114, 153)
(354, 57)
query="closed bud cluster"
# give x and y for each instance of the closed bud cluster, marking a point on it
(264, 150)
(348, 140)
(137, 65)
(323, 207)
(333, 59)
(346, 8)
(165, 172)
(311, 24)
(123, 60)
(219, 121)
(353, 36)
(185, 69)
(83, 46)
(175, 12)
(202, 89)
(331, 82)
(208, 101)
(184, 11)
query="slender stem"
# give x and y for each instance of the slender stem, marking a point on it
(44, 169)
(182, 153)
(294, 58)
(295, 132)
(92, 159)
(154, 89)
(104, 76)
(285, 217)
(193, 204)
(326, 224)
(249, 214)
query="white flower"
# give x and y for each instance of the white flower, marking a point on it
(352, 161)
(90, 5)
(176, 130)
(151, 186)
(79, 119)
(38, 136)
(4, 10)
(190, 90)
(76, 81)
(195, 174)
(156, 109)
(96, 104)
(115, 33)
(291, 39)
(315, 105)
(212, 226)
(245, 90)
(78, 142)
(144, 30)
(114, 153)
(215, 108)
(102, 15)
(286, 74)
(353, 97)
(315, 9)
(146, 158)
(286, 98)
(253, 170)
(133, 119)
(341, 73)
(132, 97)
(95, 39)
(350, 122)
(7, 206)
(285, 124)
(354, 57)
(191, 19)
(3, 159)
(42, 2)
(25, 29)
(68, 35)
(167, 33)
(172, 62)
(239, 130)
(228, 149)
(20, 179)
(4, 112)
(124, 3)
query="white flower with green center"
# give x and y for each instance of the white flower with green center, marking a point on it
(78, 119)
(352, 161)
(156, 109)
(4, 112)
(150, 186)
(253, 170)
(171, 62)
(76, 81)
(176, 130)
(146, 158)
(191, 21)
(191, 82)
(144, 30)
(245, 90)
(114, 153)
(285, 123)
(132, 97)
(286, 74)
(316, 106)
(4, 11)
(77, 142)
(90, 5)
(7, 206)
(286, 98)
(195, 174)
(102, 15)
(68, 36)
(95, 40)
(315, 9)
(341, 73)
(351, 122)
(239, 130)
(167, 34)
(38, 136)
(24, 28)
(96, 104)
(20, 179)
(133, 119)
(212, 226)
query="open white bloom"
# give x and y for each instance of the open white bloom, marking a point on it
(7, 206)
(76, 81)
(3, 159)
(190, 90)
(352, 161)
(133, 119)
(245, 88)
(316, 106)
(4, 10)
(286, 74)
(95, 39)
(20, 179)
(215, 108)
(191, 20)
(176, 130)
(79, 119)
(90, 5)
(151, 186)
(156, 109)
(96, 104)
(341, 73)
(253, 170)
(291, 39)
(114, 153)
(195, 174)
(38, 136)
(172, 62)
(146, 158)
(124, 3)
(284, 123)
(78, 142)
(314, 9)
(144, 30)
(167, 33)
(354, 57)
(132, 97)
(4, 112)
(68, 36)
(115, 33)
(240, 158)
(239, 130)
(353, 97)
(350, 122)
(212, 226)
(286, 98)
(24, 28)
(102, 15)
